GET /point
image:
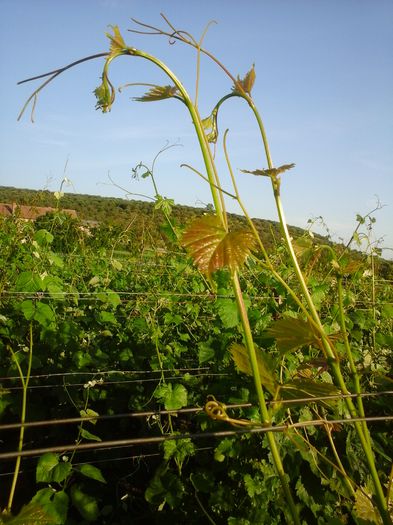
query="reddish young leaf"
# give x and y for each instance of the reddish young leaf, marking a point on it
(245, 84)
(213, 248)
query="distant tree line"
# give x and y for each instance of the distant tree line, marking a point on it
(135, 224)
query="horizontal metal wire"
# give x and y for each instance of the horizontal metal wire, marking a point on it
(197, 435)
(100, 383)
(150, 413)
(95, 461)
(113, 371)
(92, 296)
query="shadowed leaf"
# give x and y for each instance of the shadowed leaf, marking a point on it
(158, 93)
(291, 334)
(30, 514)
(266, 369)
(245, 84)
(308, 389)
(213, 248)
(273, 172)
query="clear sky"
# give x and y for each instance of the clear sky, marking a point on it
(324, 87)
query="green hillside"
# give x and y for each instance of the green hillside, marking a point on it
(116, 212)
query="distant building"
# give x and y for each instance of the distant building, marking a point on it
(30, 213)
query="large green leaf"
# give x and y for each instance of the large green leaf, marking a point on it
(308, 389)
(54, 504)
(228, 312)
(173, 397)
(213, 248)
(265, 366)
(292, 333)
(28, 282)
(45, 466)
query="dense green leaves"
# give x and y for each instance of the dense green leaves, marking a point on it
(160, 336)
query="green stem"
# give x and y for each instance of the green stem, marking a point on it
(25, 384)
(327, 346)
(351, 361)
(265, 416)
(206, 153)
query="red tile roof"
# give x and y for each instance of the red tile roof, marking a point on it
(29, 212)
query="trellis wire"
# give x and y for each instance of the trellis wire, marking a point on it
(150, 413)
(91, 296)
(113, 371)
(100, 461)
(196, 435)
(122, 382)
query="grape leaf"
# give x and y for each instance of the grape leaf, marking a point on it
(292, 333)
(272, 172)
(245, 84)
(213, 248)
(266, 369)
(158, 93)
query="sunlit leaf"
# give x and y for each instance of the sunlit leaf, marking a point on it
(292, 333)
(245, 84)
(308, 389)
(213, 248)
(266, 369)
(89, 413)
(45, 466)
(88, 435)
(365, 509)
(210, 126)
(117, 41)
(105, 94)
(158, 93)
(303, 247)
(273, 172)
(54, 504)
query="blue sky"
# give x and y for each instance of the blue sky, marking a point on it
(324, 87)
